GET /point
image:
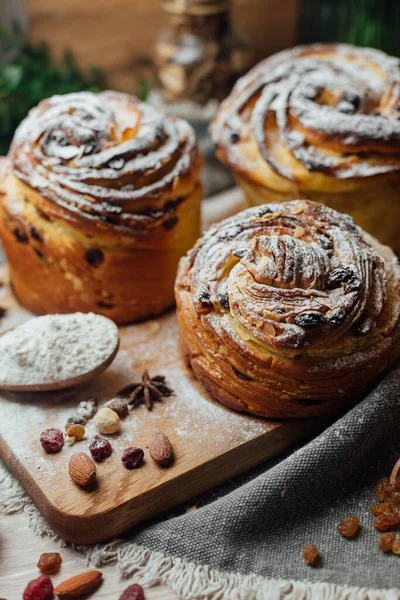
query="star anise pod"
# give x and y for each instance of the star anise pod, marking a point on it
(147, 391)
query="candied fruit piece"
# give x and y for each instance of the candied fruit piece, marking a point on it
(381, 508)
(100, 448)
(310, 554)
(380, 488)
(133, 592)
(383, 522)
(49, 562)
(39, 589)
(132, 458)
(52, 440)
(348, 527)
(385, 541)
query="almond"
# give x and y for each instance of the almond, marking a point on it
(160, 448)
(82, 469)
(79, 585)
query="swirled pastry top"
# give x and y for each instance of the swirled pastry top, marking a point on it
(292, 280)
(313, 113)
(107, 157)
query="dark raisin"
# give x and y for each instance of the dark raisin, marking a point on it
(20, 236)
(132, 458)
(235, 137)
(309, 401)
(104, 304)
(352, 98)
(204, 297)
(117, 164)
(240, 374)
(230, 233)
(100, 448)
(325, 242)
(94, 257)
(35, 234)
(38, 253)
(365, 326)
(263, 210)
(223, 299)
(339, 276)
(310, 320)
(375, 113)
(336, 318)
(170, 224)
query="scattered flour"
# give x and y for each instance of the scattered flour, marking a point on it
(55, 348)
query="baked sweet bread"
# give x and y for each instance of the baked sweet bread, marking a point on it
(288, 310)
(99, 198)
(320, 122)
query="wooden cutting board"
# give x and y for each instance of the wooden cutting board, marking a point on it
(211, 443)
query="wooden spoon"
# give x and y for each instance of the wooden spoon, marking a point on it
(65, 383)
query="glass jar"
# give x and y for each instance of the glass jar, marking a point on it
(199, 57)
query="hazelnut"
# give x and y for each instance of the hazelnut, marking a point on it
(106, 421)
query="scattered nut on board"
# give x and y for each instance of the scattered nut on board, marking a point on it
(107, 421)
(118, 405)
(82, 469)
(79, 585)
(160, 448)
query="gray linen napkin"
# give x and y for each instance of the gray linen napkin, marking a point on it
(260, 523)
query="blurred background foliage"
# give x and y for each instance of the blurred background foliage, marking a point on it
(28, 74)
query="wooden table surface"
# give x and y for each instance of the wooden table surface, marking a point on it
(20, 549)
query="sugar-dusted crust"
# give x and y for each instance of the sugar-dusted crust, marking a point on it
(320, 122)
(289, 310)
(99, 198)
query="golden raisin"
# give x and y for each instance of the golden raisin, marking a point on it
(385, 541)
(380, 488)
(348, 527)
(310, 554)
(396, 546)
(381, 508)
(383, 522)
(75, 430)
(49, 562)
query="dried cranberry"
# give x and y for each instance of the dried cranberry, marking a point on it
(52, 440)
(132, 457)
(39, 589)
(100, 448)
(133, 592)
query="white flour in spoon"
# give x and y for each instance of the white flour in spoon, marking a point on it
(55, 348)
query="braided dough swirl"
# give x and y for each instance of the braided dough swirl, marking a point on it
(106, 156)
(327, 110)
(288, 309)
